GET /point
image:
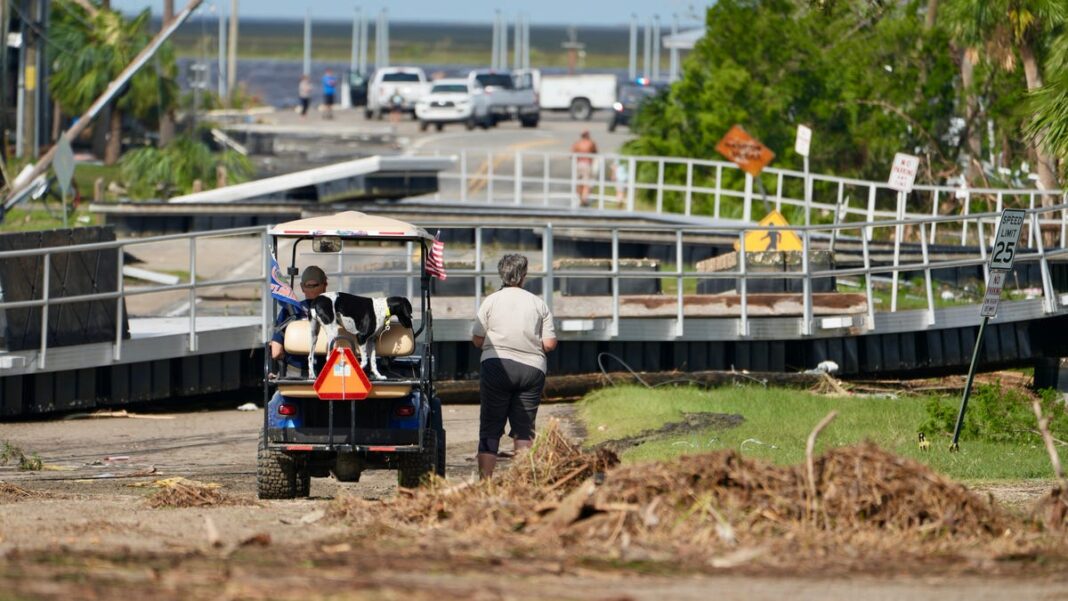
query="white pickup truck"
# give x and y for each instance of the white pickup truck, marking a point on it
(401, 86)
(496, 98)
(579, 95)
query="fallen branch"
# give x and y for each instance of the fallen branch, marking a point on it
(810, 446)
(1043, 427)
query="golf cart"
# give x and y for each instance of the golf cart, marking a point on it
(394, 423)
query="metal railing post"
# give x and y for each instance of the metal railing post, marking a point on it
(518, 184)
(1030, 227)
(120, 304)
(547, 257)
(545, 177)
(871, 211)
(719, 188)
(478, 267)
(899, 231)
(575, 200)
(927, 275)
(46, 274)
(679, 292)
(631, 183)
(489, 177)
(778, 197)
(747, 207)
(806, 312)
(409, 284)
(743, 284)
(934, 213)
(967, 209)
(600, 182)
(982, 249)
(192, 295)
(615, 282)
(660, 185)
(689, 188)
(463, 176)
(867, 279)
(1048, 293)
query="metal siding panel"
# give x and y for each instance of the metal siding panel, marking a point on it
(777, 356)
(43, 393)
(932, 349)
(190, 376)
(967, 344)
(210, 372)
(873, 356)
(697, 356)
(11, 399)
(907, 349)
(951, 351)
(118, 390)
(852, 356)
(991, 346)
(161, 379)
(1007, 340)
(891, 347)
(141, 381)
(1023, 340)
(231, 374)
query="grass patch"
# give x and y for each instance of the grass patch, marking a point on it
(10, 453)
(777, 422)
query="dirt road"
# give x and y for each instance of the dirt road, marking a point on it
(90, 534)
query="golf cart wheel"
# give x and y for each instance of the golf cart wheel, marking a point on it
(439, 126)
(415, 468)
(439, 464)
(424, 125)
(278, 475)
(530, 123)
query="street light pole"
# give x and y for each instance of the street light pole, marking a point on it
(231, 68)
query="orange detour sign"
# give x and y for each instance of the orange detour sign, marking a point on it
(771, 240)
(342, 378)
(745, 151)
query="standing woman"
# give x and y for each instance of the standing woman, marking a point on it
(304, 90)
(514, 329)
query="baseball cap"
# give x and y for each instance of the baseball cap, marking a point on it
(312, 274)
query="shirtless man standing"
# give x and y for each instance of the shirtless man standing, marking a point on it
(584, 164)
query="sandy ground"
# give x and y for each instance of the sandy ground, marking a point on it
(91, 534)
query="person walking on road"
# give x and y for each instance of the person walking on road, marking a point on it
(514, 329)
(304, 90)
(586, 148)
(329, 93)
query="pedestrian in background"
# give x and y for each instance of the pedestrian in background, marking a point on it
(329, 93)
(304, 90)
(585, 147)
(515, 330)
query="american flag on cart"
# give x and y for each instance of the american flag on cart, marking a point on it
(435, 261)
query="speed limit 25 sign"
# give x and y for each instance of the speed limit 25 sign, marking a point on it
(1004, 251)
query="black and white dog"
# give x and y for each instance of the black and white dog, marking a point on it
(365, 318)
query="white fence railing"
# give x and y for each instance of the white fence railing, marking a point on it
(720, 190)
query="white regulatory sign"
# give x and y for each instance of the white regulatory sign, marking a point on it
(1004, 251)
(903, 173)
(804, 140)
(993, 294)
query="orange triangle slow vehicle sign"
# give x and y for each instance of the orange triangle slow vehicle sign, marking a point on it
(342, 378)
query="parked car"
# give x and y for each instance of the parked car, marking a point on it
(497, 98)
(580, 95)
(449, 101)
(402, 87)
(631, 96)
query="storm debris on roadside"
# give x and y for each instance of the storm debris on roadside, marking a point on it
(705, 508)
(11, 492)
(180, 492)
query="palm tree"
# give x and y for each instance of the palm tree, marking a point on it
(92, 45)
(1004, 31)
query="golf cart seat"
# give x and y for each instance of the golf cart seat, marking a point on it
(397, 341)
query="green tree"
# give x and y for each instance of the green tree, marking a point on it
(1005, 32)
(868, 77)
(92, 45)
(151, 172)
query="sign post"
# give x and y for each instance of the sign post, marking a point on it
(801, 147)
(748, 153)
(902, 178)
(1001, 259)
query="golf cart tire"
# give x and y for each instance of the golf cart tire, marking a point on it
(424, 125)
(278, 475)
(439, 126)
(414, 468)
(529, 123)
(439, 465)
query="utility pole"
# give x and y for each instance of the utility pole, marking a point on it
(517, 50)
(632, 70)
(221, 67)
(29, 77)
(354, 60)
(526, 41)
(673, 65)
(231, 67)
(307, 42)
(496, 39)
(647, 50)
(365, 29)
(656, 48)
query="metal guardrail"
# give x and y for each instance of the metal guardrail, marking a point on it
(721, 190)
(814, 237)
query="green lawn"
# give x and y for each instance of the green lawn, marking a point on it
(778, 421)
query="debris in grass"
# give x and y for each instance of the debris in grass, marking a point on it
(715, 509)
(10, 453)
(691, 422)
(10, 492)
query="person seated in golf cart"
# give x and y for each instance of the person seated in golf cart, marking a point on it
(313, 283)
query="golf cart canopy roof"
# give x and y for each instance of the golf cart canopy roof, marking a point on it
(350, 224)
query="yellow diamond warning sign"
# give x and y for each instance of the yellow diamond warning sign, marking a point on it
(342, 379)
(771, 240)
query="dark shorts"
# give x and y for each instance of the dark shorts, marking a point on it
(509, 391)
(328, 99)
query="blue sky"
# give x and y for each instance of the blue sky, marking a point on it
(565, 12)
